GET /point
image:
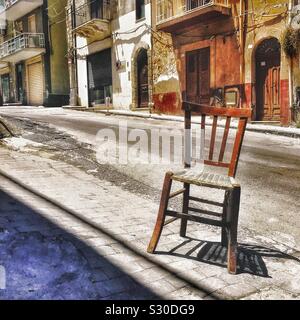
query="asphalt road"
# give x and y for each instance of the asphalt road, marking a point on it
(269, 169)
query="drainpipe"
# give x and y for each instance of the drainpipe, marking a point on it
(73, 59)
(153, 25)
(291, 86)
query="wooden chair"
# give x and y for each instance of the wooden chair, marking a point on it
(228, 219)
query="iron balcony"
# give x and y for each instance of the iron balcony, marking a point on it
(22, 47)
(92, 19)
(172, 15)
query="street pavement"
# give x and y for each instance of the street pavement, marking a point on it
(269, 167)
(70, 230)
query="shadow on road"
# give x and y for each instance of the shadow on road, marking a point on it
(26, 271)
(43, 261)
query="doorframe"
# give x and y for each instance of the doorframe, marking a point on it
(254, 96)
(187, 53)
(32, 61)
(7, 75)
(23, 82)
(88, 75)
(134, 78)
(140, 65)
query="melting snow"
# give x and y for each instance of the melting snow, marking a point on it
(20, 144)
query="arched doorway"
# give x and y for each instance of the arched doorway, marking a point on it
(142, 79)
(268, 61)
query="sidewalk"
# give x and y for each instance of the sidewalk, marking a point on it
(66, 234)
(257, 127)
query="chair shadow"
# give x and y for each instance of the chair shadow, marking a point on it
(250, 257)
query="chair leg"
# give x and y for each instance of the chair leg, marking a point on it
(185, 209)
(233, 216)
(224, 239)
(161, 213)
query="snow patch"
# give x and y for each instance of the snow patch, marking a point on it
(21, 144)
(163, 77)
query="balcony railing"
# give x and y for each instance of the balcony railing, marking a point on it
(99, 10)
(170, 9)
(21, 42)
(7, 3)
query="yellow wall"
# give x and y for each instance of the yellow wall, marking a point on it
(58, 39)
(267, 21)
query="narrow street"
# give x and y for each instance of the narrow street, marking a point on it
(58, 202)
(269, 169)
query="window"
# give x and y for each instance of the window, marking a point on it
(140, 9)
(97, 9)
(232, 96)
(32, 24)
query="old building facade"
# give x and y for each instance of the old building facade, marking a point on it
(33, 64)
(149, 55)
(111, 52)
(227, 52)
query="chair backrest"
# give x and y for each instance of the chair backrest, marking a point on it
(241, 114)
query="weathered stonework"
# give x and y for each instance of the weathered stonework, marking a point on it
(233, 40)
(166, 91)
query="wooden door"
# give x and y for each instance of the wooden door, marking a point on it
(143, 81)
(272, 94)
(268, 81)
(32, 24)
(198, 76)
(5, 83)
(192, 77)
(20, 82)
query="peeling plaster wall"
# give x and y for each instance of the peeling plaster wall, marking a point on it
(266, 18)
(166, 84)
(171, 51)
